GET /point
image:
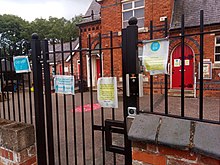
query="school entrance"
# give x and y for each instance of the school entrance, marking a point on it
(73, 129)
(77, 129)
(188, 69)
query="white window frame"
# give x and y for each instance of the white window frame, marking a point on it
(140, 57)
(132, 9)
(140, 53)
(215, 49)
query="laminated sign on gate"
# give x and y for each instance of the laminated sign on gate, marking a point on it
(21, 64)
(64, 84)
(155, 56)
(107, 92)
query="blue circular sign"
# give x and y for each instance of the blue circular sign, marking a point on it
(155, 46)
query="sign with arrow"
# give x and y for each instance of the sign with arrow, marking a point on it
(21, 64)
(64, 84)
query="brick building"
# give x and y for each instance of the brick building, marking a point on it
(57, 57)
(91, 25)
(104, 16)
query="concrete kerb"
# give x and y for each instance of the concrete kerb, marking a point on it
(181, 134)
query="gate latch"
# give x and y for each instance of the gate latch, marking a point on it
(114, 126)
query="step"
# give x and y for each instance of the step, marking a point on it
(177, 93)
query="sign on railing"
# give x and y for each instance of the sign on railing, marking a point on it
(21, 64)
(64, 84)
(107, 92)
(155, 56)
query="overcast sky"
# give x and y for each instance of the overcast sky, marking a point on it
(31, 9)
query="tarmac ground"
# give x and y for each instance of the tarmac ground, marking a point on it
(64, 137)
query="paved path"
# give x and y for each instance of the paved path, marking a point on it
(211, 106)
(211, 112)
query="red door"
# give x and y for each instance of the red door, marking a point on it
(188, 70)
(61, 70)
(98, 73)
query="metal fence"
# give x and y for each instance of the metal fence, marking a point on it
(66, 133)
(201, 85)
(16, 96)
(73, 137)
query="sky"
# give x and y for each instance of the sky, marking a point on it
(31, 9)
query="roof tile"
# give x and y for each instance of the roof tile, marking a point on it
(191, 10)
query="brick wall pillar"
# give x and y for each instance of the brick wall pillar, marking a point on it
(144, 154)
(17, 144)
(160, 140)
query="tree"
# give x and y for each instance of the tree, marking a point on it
(13, 29)
(56, 28)
(40, 26)
(71, 28)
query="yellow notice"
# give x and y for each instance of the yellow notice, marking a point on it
(106, 92)
(154, 63)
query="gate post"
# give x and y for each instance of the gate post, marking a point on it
(38, 100)
(48, 100)
(130, 65)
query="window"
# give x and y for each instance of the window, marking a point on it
(217, 49)
(133, 9)
(140, 57)
(140, 52)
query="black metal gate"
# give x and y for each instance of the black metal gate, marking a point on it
(71, 135)
(15, 89)
(67, 132)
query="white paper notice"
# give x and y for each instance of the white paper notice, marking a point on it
(64, 84)
(107, 92)
(155, 56)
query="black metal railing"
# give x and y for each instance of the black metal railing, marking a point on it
(16, 96)
(184, 34)
(88, 127)
(68, 134)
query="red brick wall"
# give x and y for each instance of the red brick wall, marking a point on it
(24, 157)
(160, 155)
(85, 30)
(117, 57)
(112, 21)
(75, 58)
